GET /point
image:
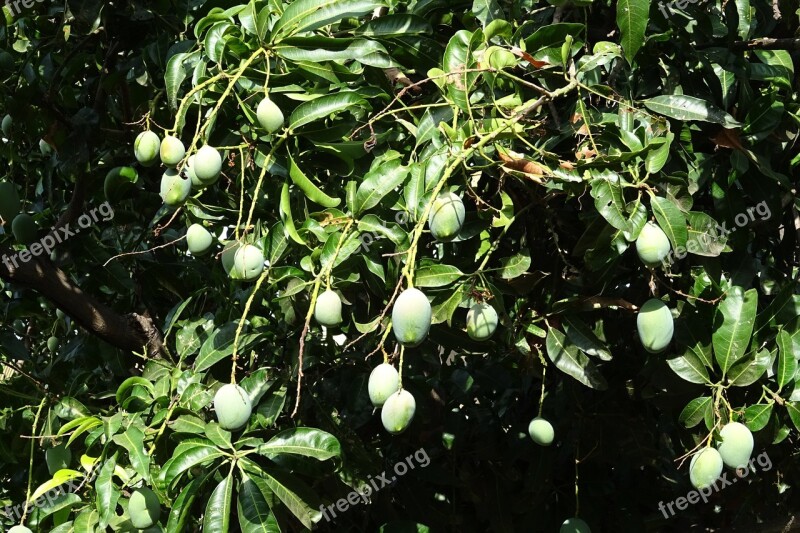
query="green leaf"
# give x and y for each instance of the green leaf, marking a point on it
(323, 107)
(584, 338)
(794, 413)
(219, 345)
(217, 517)
(750, 369)
(695, 411)
(689, 367)
(308, 442)
(671, 220)
(569, 360)
(787, 364)
(703, 237)
(311, 191)
(687, 108)
(745, 18)
(106, 493)
(128, 384)
(457, 59)
(733, 326)
(133, 441)
(436, 275)
(379, 182)
(188, 454)
(632, 19)
(294, 494)
(286, 215)
(254, 512)
(309, 15)
(395, 24)
(608, 200)
(486, 11)
(757, 416)
(181, 508)
(516, 265)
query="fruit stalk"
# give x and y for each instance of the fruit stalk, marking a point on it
(240, 326)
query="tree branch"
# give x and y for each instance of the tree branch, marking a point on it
(766, 43)
(132, 332)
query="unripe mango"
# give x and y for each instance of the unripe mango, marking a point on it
(328, 309)
(24, 228)
(52, 344)
(228, 255)
(655, 325)
(207, 164)
(144, 508)
(541, 431)
(269, 115)
(57, 458)
(232, 406)
(6, 61)
(9, 201)
(652, 245)
(384, 381)
(118, 182)
(398, 412)
(705, 468)
(6, 125)
(19, 529)
(574, 525)
(447, 217)
(736, 446)
(174, 188)
(146, 147)
(481, 321)
(198, 239)
(248, 263)
(172, 151)
(411, 317)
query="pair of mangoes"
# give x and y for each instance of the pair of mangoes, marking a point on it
(734, 452)
(398, 406)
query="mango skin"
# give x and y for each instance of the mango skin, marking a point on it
(146, 148)
(6, 125)
(248, 263)
(655, 325)
(9, 201)
(705, 468)
(57, 458)
(144, 508)
(398, 412)
(269, 115)
(174, 188)
(736, 446)
(384, 380)
(652, 245)
(574, 525)
(447, 217)
(481, 321)
(232, 406)
(411, 317)
(19, 529)
(541, 431)
(207, 164)
(118, 182)
(228, 255)
(172, 151)
(328, 309)
(198, 239)
(52, 344)
(24, 228)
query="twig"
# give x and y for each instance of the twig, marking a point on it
(145, 251)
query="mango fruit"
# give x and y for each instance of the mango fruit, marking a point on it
(146, 148)
(328, 309)
(541, 431)
(232, 406)
(736, 446)
(144, 509)
(446, 217)
(705, 468)
(172, 151)
(269, 115)
(652, 245)
(207, 164)
(248, 263)
(398, 411)
(411, 317)
(24, 228)
(655, 325)
(175, 189)
(481, 321)
(384, 380)
(198, 239)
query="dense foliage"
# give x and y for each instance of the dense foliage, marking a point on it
(566, 128)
